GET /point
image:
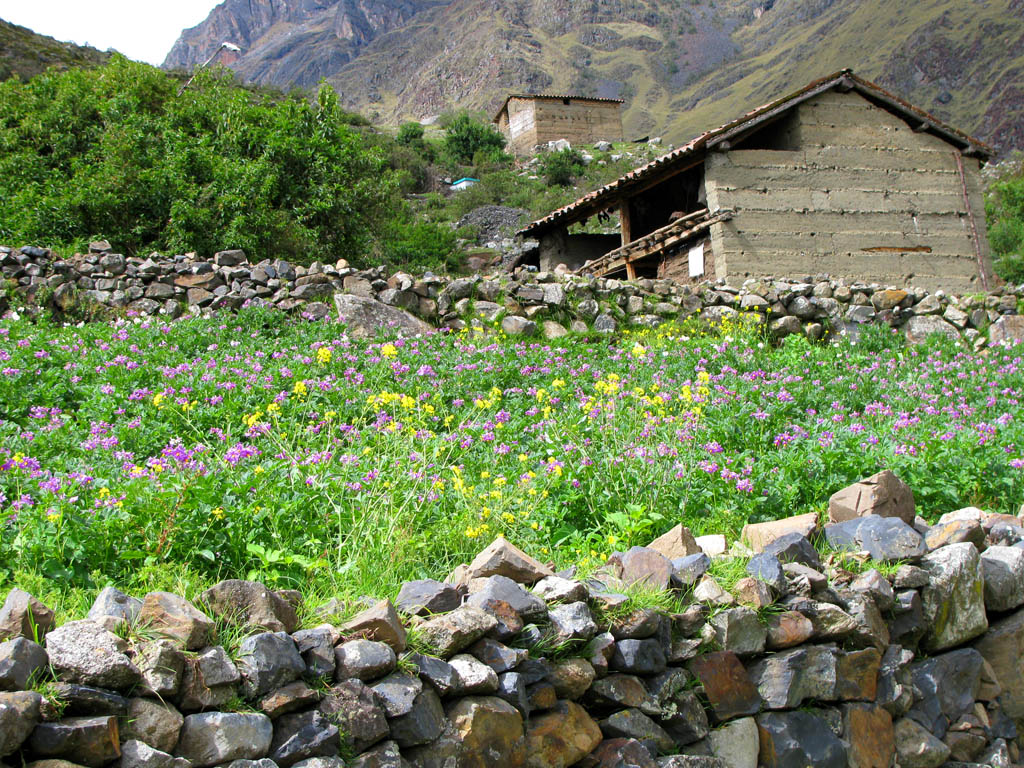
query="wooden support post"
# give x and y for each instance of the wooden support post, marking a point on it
(625, 224)
(630, 270)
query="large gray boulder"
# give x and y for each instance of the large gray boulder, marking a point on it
(19, 714)
(1003, 572)
(21, 660)
(954, 600)
(84, 652)
(884, 538)
(250, 604)
(213, 738)
(268, 661)
(367, 318)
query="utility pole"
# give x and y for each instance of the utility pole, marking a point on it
(223, 46)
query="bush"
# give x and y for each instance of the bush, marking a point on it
(115, 153)
(420, 244)
(466, 137)
(561, 167)
(1004, 208)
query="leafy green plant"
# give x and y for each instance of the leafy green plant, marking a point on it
(561, 167)
(468, 140)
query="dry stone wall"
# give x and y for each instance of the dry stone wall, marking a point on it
(870, 639)
(522, 302)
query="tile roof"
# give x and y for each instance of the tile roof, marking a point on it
(601, 198)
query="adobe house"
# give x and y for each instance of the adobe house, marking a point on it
(528, 120)
(839, 177)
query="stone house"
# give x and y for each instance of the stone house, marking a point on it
(528, 120)
(840, 177)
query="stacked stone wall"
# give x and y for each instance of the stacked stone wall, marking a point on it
(865, 638)
(102, 283)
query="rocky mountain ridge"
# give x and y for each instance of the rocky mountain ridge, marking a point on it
(681, 67)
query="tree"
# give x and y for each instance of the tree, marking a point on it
(465, 137)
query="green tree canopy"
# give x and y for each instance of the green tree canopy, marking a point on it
(114, 152)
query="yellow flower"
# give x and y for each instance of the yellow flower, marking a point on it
(330, 415)
(53, 516)
(557, 384)
(103, 492)
(523, 457)
(323, 355)
(273, 408)
(534, 525)
(389, 350)
(218, 513)
(299, 389)
(158, 398)
(508, 517)
(638, 350)
(484, 475)
(408, 403)
(258, 470)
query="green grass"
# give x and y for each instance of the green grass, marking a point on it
(169, 457)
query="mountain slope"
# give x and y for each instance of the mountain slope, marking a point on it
(681, 65)
(26, 54)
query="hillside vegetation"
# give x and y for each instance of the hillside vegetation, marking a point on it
(682, 66)
(25, 54)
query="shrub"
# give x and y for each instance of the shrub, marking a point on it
(1004, 208)
(420, 244)
(115, 152)
(466, 137)
(561, 167)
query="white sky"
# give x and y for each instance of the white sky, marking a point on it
(143, 30)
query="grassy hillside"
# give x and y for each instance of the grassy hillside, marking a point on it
(26, 54)
(684, 67)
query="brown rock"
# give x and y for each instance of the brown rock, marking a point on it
(1008, 328)
(752, 592)
(177, 619)
(728, 687)
(955, 532)
(868, 730)
(24, 616)
(882, 494)
(449, 633)
(888, 299)
(760, 535)
(491, 731)
(289, 698)
(206, 281)
(380, 623)
(250, 604)
(561, 737)
(572, 677)
(642, 565)
(503, 559)
(678, 542)
(857, 675)
(788, 629)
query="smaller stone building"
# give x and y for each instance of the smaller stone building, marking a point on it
(528, 120)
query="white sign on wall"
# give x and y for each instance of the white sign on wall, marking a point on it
(697, 260)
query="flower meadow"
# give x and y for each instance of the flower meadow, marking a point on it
(258, 446)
